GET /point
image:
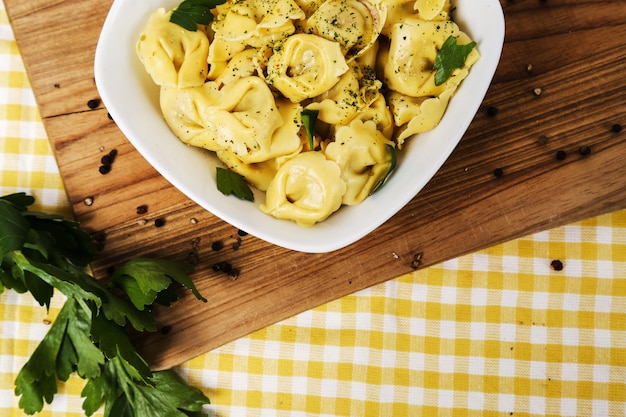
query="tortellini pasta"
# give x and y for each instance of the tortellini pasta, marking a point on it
(305, 66)
(173, 57)
(306, 189)
(361, 152)
(241, 87)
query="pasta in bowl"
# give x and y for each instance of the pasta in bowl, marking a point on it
(269, 67)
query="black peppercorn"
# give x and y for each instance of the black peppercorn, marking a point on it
(498, 172)
(561, 155)
(93, 103)
(160, 222)
(104, 169)
(616, 128)
(557, 265)
(584, 150)
(492, 110)
(217, 245)
(106, 160)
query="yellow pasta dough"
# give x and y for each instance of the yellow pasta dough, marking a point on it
(173, 57)
(365, 68)
(306, 189)
(413, 49)
(305, 66)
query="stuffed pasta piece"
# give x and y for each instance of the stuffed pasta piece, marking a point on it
(364, 157)
(306, 189)
(173, 56)
(241, 116)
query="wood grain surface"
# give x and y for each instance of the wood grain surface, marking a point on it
(560, 86)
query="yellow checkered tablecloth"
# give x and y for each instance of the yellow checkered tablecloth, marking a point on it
(496, 333)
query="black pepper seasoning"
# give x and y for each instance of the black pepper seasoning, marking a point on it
(93, 103)
(616, 128)
(498, 172)
(557, 265)
(217, 245)
(584, 150)
(561, 155)
(142, 209)
(492, 111)
(104, 169)
(106, 160)
(160, 222)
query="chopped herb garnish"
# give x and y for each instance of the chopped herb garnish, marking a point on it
(382, 182)
(450, 57)
(229, 182)
(309, 119)
(191, 13)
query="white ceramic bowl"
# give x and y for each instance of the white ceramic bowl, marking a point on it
(132, 100)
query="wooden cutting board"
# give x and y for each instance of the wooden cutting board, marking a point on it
(560, 87)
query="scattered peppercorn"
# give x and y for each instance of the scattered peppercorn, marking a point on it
(557, 265)
(233, 273)
(57, 85)
(142, 209)
(93, 103)
(217, 245)
(616, 128)
(543, 139)
(242, 232)
(88, 201)
(106, 160)
(104, 169)
(492, 111)
(561, 155)
(584, 150)
(223, 266)
(166, 329)
(160, 222)
(498, 172)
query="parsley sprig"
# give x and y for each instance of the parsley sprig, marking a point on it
(231, 183)
(41, 252)
(309, 119)
(191, 13)
(450, 57)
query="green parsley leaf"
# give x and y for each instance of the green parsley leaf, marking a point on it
(191, 13)
(164, 395)
(229, 182)
(392, 167)
(309, 119)
(450, 57)
(13, 228)
(43, 252)
(65, 348)
(21, 200)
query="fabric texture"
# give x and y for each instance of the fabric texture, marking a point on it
(532, 327)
